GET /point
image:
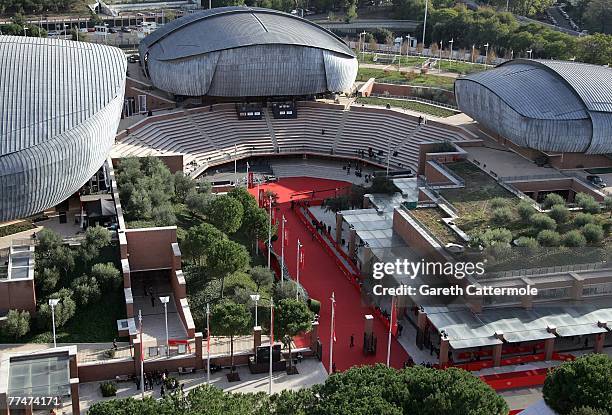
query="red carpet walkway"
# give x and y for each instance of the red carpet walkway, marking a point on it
(321, 276)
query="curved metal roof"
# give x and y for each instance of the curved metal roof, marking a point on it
(233, 27)
(50, 86)
(532, 91)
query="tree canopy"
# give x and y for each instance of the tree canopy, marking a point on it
(358, 391)
(583, 382)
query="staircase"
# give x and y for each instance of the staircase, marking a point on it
(267, 114)
(340, 128)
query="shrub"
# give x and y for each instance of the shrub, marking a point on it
(587, 410)
(559, 213)
(108, 388)
(541, 222)
(527, 242)
(582, 219)
(587, 203)
(501, 216)
(107, 275)
(64, 311)
(17, 323)
(495, 236)
(583, 382)
(553, 199)
(86, 290)
(525, 209)
(498, 202)
(574, 239)
(549, 238)
(592, 232)
(607, 227)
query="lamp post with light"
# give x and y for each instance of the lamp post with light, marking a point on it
(164, 301)
(255, 298)
(52, 303)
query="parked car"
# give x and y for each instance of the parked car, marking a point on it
(112, 30)
(126, 29)
(596, 181)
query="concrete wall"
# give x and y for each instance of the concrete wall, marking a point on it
(155, 101)
(548, 185)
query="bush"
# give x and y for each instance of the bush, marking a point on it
(107, 276)
(108, 388)
(109, 354)
(527, 242)
(501, 216)
(559, 213)
(525, 209)
(592, 232)
(64, 311)
(587, 410)
(553, 199)
(17, 323)
(587, 203)
(498, 202)
(583, 382)
(86, 290)
(541, 221)
(574, 239)
(582, 219)
(549, 238)
(495, 236)
(314, 305)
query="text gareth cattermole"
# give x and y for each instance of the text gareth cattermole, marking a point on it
(411, 269)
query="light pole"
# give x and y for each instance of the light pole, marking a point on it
(269, 229)
(283, 221)
(450, 56)
(271, 344)
(297, 277)
(425, 23)
(399, 62)
(24, 30)
(529, 52)
(255, 298)
(331, 334)
(473, 52)
(236, 165)
(440, 61)
(486, 53)
(207, 344)
(362, 45)
(164, 301)
(53, 302)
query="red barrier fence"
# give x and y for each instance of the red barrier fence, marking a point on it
(512, 380)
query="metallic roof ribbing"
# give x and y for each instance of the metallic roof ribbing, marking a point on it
(232, 27)
(50, 86)
(593, 83)
(532, 91)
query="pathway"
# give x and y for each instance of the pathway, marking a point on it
(321, 277)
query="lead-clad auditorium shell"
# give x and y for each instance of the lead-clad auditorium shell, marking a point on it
(60, 106)
(556, 106)
(246, 52)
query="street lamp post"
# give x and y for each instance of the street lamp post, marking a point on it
(297, 274)
(440, 61)
(486, 53)
(269, 229)
(255, 298)
(164, 301)
(399, 62)
(362, 45)
(425, 23)
(450, 56)
(53, 302)
(283, 221)
(529, 52)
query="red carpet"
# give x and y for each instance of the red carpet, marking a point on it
(321, 276)
(512, 380)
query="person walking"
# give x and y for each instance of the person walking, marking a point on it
(162, 392)
(352, 341)
(152, 301)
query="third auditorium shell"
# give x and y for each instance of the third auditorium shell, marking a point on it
(246, 52)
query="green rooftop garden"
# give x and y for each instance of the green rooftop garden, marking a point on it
(409, 105)
(390, 75)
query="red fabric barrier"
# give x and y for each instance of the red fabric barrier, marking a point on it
(513, 380)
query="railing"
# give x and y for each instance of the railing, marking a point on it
(416, 99)
(460, 181)
(547, 270)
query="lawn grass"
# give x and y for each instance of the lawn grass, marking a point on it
(434, 81)
(458, 67)
(410, 105)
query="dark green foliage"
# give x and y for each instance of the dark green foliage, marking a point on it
(107, 276)
(225, 213)
(530, 244)
(587, 410)
(63, 311)
(86, 289)
(263, 277)
(574, 239)
(525, 209)
(108, 389)
(230, 319)
(553, 199)
(587, 203)
(17, 323)
(292, 317)
(582, 219)
(358, 391)
(559, 213)
(541, 221)
(501, 216)
(498, 202)
(583, 382)
(549, 238)
(592, 232)
(495, 236)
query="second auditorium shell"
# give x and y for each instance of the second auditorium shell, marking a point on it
(246, 52)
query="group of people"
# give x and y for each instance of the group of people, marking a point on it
(162, 379)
